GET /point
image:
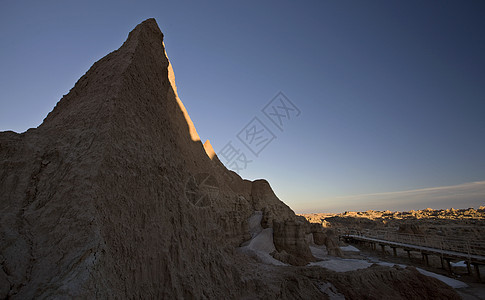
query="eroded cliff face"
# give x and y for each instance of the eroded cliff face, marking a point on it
(94, 201)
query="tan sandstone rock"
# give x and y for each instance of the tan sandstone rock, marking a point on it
(107, 198)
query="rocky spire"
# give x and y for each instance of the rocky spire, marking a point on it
(209, 150)
(98, 202)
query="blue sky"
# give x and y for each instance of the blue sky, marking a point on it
(391, 94)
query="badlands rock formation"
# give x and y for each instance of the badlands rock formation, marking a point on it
(115, 196)
(446, 223)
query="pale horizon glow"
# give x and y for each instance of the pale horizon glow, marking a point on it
(458, 196)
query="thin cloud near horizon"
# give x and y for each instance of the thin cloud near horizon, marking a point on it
(464, 195)
(448, 187)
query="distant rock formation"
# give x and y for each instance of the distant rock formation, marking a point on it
(444, 223)
(108, 198)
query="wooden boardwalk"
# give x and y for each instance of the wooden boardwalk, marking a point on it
(473, 253)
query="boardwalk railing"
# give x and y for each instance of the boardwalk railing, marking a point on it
(470, 247)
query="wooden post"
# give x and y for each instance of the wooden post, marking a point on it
(477, 272)
(409, 253)
(448, 264)
(468, 268)
(383, 247)
(394, 251)
(442, 262)
(425, 258)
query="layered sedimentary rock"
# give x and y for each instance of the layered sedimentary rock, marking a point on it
(93, 201)
(289, 238)
(331, 242)
(108, 198)
(444, 223)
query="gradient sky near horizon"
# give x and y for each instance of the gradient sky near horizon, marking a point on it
(391, 94)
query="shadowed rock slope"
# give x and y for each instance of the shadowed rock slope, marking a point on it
(94, 204)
